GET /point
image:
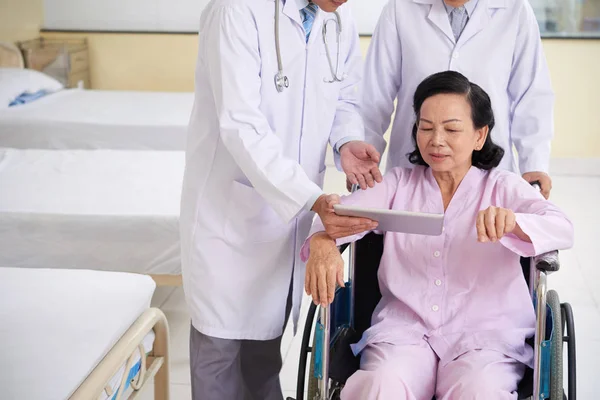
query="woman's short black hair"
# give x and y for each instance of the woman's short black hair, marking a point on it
(451, 82)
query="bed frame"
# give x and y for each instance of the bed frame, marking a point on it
(155, 366)
(167, 280)
(11, 56)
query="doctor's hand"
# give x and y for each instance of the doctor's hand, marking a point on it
(360, 162)
(496, 222)
(324, 269)
(337, 226)
(544, 180)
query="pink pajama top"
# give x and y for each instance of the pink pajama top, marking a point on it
(450, 290)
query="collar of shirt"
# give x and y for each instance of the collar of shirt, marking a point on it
(472, 178)
(301, 4)
(469, 6)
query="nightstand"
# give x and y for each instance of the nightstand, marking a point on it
(66, 60)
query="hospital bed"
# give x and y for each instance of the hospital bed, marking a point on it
(110, 210)
(96, 119)
(86, 119)
(78, 335)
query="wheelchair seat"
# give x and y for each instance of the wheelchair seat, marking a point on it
(367, 296)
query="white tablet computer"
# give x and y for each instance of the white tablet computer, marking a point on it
(397, 221)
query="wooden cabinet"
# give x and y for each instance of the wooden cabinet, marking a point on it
(65, 60)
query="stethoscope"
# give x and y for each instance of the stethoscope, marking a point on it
(281, 81)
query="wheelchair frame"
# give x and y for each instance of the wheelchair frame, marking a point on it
(539, 267)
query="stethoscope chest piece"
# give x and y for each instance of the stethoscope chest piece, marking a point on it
(281, 82)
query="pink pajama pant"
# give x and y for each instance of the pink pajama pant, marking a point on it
(413, 372)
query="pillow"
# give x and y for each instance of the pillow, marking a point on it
(15, 81)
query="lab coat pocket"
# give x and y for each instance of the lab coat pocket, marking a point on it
(250, 219)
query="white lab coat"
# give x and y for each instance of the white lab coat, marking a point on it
(255, 157)
(500, 50)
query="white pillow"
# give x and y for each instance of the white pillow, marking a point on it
(15, 81)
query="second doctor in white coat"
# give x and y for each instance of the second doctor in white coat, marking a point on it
(255, 167)
(494, 43)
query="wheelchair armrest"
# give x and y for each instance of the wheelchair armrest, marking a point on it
(547, 262)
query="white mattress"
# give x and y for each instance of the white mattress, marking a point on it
(96, 209)
(94, 119)
(57, 325)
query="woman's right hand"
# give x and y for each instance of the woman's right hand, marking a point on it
(324, 269)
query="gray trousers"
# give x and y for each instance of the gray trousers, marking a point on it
(225, 369)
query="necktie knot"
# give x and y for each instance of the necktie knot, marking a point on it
(459, 11)
(311, 9)
(458, 20)
(308, 17)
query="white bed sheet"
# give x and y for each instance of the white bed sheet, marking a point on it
(57, 325)
(99, 119)
(100, 209)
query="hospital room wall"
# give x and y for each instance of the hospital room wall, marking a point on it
(166, 62)
(20, 19)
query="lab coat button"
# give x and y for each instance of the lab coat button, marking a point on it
(455, 55)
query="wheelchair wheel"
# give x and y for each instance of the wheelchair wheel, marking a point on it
(313, 383)
(305, 350)
(568, 330)
(556, 368)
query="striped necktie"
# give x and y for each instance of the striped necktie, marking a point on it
(458, 20)
(308, 17)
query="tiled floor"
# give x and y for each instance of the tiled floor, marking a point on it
(578, 282)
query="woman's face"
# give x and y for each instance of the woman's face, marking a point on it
(446, 136)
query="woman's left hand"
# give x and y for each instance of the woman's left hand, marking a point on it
(496, 222)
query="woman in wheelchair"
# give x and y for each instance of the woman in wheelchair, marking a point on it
(455, 310)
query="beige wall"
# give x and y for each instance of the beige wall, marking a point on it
(163, 62)
(576, 81)
(166, 62)
(20, 19)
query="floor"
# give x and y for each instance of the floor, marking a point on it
(578, 283)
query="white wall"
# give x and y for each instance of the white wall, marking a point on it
(159, 15)
(123, 15)
(183, 15)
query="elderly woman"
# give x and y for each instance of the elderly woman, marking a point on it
(455, 310)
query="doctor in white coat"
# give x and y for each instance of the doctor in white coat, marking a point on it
(254, 171)
(494, 43)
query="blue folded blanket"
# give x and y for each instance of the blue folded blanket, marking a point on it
(27, 97)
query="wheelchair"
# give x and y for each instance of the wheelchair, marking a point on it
(344, 321)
